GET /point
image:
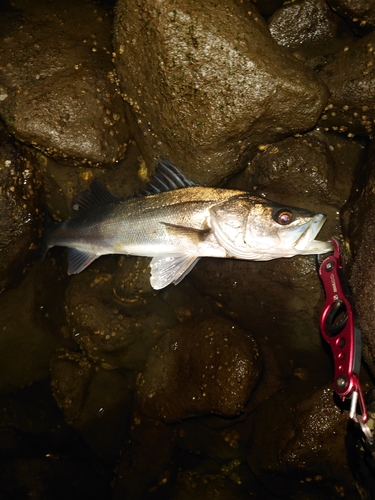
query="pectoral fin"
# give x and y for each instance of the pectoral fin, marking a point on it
(191, 234)
(78, 261)
(167, 269)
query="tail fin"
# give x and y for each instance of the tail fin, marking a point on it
(49, 226)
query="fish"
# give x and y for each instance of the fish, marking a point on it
(175, 222)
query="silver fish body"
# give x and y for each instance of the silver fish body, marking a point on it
(177, 227)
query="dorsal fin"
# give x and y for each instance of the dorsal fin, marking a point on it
(167, 177)
(96, 195)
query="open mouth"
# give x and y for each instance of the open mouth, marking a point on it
(307, 243)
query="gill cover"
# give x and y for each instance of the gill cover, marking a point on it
(229, 221)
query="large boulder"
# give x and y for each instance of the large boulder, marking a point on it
(204, 95)
(21, 215)
(358, 221)
(349, 75)
(31, 328)
(304, 25)
(57, 84)
(306, 426)
(359, 13)
(114, 333)
(198, 368)
(95, 402)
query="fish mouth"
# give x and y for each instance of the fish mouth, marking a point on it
(307, 244)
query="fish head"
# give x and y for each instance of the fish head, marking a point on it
(249, 227)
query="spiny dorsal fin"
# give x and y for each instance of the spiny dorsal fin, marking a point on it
(96, 195)
(167, 177)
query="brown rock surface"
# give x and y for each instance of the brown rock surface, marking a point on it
(206, 96)
(202, 368)
(349, 77)
(112, 332)
(298, 445)
(95, 402)
(57, 83)
(304, 24)
(21, 216)
(360, 12)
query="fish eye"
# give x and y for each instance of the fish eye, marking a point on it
(283, 217)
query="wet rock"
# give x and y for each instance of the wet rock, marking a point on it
(361, 13)
(95, 402)
(302, 170)
(347, 155)
(202, 368)
(28, 334)
(358, 227)
(62, 183)
(132, 279)
(152, 464)
(279, 300)
(40, 456)
(21, 217)
(57, 85)
(349, 77)
(306, 426)
(111, 331)
(188, 303)
(313, 171)
(307, 26)
(227, 439)
(363, 283)
(228, 443)
(206, 96)
(221, 486)
(145, 465)
(71, 374)
(360, 202)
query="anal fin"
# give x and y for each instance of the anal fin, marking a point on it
(172, 268)
(78, 261)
